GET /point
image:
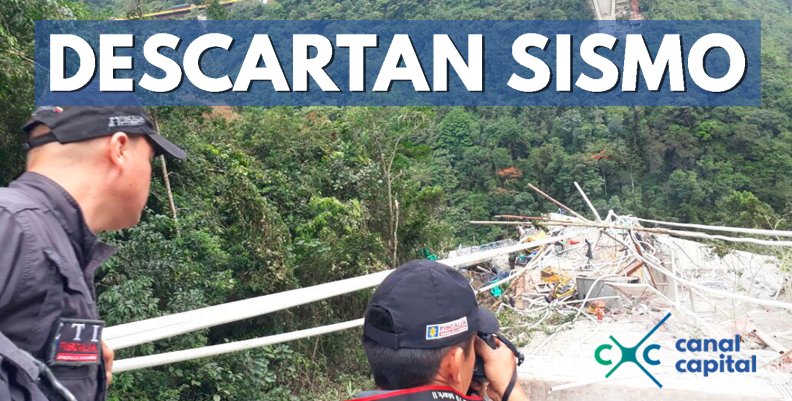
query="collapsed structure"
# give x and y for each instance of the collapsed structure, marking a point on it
(719, 320)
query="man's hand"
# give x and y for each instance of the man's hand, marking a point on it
(479, 389)
(108, 355)
(499, 366)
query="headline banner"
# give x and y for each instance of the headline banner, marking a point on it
(345, 63)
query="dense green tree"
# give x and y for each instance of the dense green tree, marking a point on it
(215, 11)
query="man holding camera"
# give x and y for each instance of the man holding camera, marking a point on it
(422, 333)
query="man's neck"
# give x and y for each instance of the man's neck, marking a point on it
(445, 383)
(83, 192)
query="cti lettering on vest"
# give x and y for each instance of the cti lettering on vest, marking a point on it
(76, 342)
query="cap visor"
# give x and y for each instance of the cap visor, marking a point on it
(165, 147)
(488, 323)
(28, 125)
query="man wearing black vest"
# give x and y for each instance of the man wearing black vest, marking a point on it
(88, 171)
(422, 333)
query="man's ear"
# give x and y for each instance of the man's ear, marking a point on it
(120, 145)
(451, 366)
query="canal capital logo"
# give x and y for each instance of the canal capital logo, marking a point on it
(723, 363)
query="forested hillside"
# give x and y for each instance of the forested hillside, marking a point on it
(272, 199)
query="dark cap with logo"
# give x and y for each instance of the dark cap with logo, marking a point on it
(425, 304)
(78, 123)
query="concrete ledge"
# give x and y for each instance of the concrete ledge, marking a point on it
(579, 380)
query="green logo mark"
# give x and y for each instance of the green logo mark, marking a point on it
(630, 354)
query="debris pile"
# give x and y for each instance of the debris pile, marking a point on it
(623, 271)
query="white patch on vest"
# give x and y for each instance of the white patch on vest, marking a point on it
(443, 330)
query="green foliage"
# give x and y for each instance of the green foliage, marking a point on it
(414, 9)
(17, 19)
(334, 244)
(215, 11)
(456, 130)
(744, 209)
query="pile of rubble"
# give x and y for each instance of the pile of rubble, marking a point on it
(616, 275)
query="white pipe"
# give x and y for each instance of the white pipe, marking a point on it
(144, 331)
(202, 352)
(757, 231)
(675, 233)
(195, 353)
(141, 362)
(588, 202)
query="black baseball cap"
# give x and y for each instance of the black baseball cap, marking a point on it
(78, 123)
(425, 304)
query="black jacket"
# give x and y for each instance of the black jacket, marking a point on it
(48, 257)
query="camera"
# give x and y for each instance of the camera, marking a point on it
(478, 370)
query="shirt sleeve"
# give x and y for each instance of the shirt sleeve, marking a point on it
(5, 389)
(13, 252)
